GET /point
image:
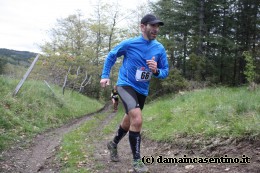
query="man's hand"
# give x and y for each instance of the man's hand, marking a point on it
(152, 64)
(104, 82)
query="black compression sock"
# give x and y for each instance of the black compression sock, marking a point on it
(135, 141)
(120, 134)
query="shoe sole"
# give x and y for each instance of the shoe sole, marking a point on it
(133, 171)
(147, 171)
(141, 172)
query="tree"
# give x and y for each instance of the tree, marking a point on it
(249, 69)
(68, 48)
(217, 31)
(78, 46)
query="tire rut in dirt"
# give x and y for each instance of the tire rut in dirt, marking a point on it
(33, 158)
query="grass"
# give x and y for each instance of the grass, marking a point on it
(36, 109)
(114, 123)
(77, 149)
(207, 113)
(215, 112)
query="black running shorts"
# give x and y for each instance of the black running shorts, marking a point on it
(130, 98)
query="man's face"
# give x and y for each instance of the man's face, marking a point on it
(150, 31)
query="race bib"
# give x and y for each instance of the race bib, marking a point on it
(143, 75)
(115, 96)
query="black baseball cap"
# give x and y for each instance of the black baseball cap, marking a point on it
(151, 19)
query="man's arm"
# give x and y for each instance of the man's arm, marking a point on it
(111, 58)
(162, 67)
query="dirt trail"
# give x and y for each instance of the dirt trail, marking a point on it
(31, 159)
(39, 155)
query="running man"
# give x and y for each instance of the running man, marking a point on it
(114, 98)
(143, 58)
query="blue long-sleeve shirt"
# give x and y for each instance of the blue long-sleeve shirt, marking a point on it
(136, 51)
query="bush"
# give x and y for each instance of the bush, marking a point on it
(175, 82)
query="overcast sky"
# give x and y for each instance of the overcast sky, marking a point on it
(24, 23)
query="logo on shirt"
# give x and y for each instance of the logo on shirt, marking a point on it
(142, 68)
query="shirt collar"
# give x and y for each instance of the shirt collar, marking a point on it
(147, 41)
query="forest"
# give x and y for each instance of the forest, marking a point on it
(207, 39)
(14, 57)
(208, 42)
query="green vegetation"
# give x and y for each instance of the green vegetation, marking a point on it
(210, 49)
(113, 125)
(22, 55)
(250, 72)
(208, 113)
(36, 109)
(10, 58)
(73, 151)
(216, 112)
(77, 148)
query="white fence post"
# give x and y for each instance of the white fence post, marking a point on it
(25, 76)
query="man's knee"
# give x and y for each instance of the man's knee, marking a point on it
(136, 117)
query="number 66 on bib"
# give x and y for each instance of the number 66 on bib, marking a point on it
(143, 75)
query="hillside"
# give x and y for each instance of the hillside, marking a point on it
(80, 146)
(36, 108)
(42, 132)
(15, 58)
(16, 54)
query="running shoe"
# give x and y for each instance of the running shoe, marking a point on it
(113, 151)
(139, 166)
